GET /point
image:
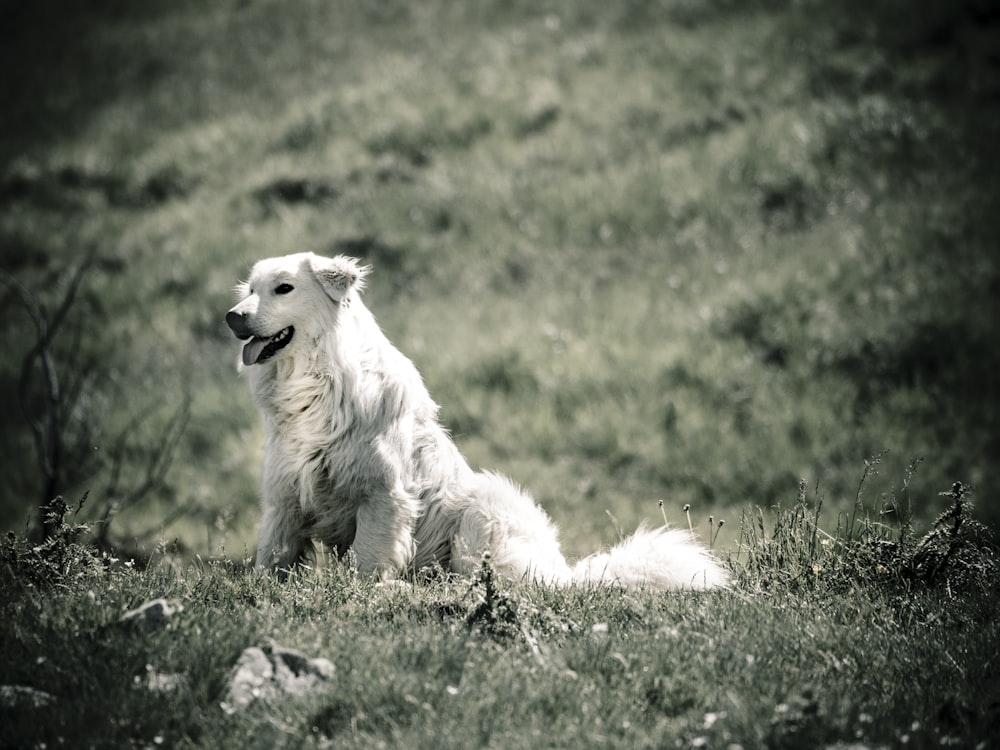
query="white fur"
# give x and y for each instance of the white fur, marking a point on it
(354, 455)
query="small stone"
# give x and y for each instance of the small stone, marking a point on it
(165, 682)
(253, 671)
(22, 696)
(279, 672)
(153, 613)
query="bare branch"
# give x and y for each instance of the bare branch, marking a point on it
(47, 431)
(157, 465)
(47, 404)
(70, 296)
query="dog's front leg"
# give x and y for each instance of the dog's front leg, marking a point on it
(280, 543)
(383, 545)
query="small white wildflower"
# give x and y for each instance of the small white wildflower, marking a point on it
(709, 719)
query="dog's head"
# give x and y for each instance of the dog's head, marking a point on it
(283, 300)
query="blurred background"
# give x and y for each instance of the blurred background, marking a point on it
(715, 252)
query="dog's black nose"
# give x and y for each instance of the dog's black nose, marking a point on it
(237, 322)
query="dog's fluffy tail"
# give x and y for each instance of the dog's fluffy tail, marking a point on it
(523, 542)
(663, 559)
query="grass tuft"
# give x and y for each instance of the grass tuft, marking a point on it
(957, 553)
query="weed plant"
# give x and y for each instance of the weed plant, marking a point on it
(871, 547)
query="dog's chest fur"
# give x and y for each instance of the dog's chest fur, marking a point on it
(334, 440)
(312, 450)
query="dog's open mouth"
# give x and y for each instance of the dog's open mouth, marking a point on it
(260, 349)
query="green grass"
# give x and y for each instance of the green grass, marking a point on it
(863, 636)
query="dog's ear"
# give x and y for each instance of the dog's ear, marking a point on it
(338, 275)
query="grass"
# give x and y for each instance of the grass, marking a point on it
(712, 253)
(855, 641)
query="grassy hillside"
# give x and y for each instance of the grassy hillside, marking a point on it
(695, 251)
(736, 255)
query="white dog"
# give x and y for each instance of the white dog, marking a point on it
(355, 457)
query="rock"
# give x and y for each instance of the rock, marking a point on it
(154, 614)
(273, 674)
(22, 696)
(161, 682)
(251, 677)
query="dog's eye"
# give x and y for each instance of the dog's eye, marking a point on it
(283, 288)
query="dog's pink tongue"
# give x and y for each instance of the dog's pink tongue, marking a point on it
(253, 350)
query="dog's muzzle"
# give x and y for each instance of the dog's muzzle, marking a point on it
(259, 348)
